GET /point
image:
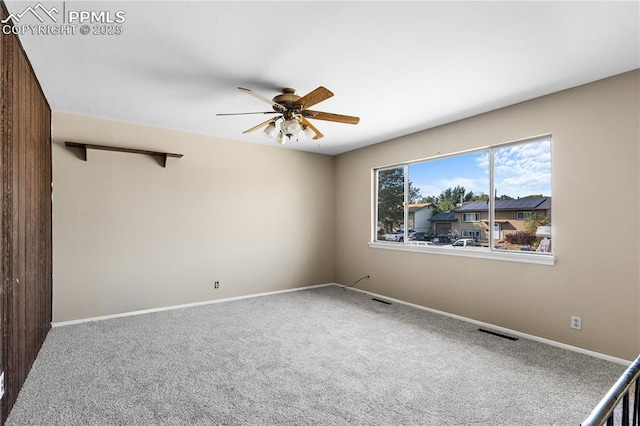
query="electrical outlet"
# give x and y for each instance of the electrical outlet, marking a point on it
(576, 322)
(1, 385)
(216, 284)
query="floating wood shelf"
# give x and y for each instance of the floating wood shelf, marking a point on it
(85, 146)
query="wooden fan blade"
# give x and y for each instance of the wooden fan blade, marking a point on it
(312, 127)
(276, 105)
(327, 116)
(314, 97)
(247, 113)
(266, 123)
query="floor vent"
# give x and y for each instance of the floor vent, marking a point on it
(381, 301)
(504, 336)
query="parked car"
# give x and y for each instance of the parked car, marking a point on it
(422, 243)
(444, 238)
(543, 231)
(465, 242)
(399, 235)
(421, 236)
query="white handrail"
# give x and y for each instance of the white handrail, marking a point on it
(605, 407)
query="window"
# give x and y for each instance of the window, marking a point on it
(471, 195)
(471, 217)
(523, 215)
(390, 211)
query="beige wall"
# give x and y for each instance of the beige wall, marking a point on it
(131, 235)
(596, 195)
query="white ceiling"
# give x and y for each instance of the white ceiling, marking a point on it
(400, 66)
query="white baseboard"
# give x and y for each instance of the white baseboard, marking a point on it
(187, 305)
(435, 311)
(500, 329)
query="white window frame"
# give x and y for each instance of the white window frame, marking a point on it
(523, 214)
(476, 216)
(405, 201)
(491, 253)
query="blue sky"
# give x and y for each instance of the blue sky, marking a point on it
(520, 170)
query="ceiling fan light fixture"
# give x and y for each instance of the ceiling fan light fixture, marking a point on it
(291, 127)
(293, 113)
(270, 130)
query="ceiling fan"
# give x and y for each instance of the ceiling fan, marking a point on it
(293, 114)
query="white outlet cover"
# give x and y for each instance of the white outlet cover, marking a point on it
(576, 322)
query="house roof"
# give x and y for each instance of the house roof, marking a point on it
(416, 207)
(540, 203)
(444, 217)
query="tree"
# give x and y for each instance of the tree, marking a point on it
(450, 197)
(534, 221)
(504, 197)
(391, 197)
(414, 193)
(481, 196)
(428, 199)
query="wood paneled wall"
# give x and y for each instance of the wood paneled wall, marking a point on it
(25, 220)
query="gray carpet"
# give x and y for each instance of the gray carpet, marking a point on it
(322, 356)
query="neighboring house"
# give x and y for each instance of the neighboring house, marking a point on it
(419, 216)
(472, 219)
(443, 223)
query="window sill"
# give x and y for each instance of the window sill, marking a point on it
(479, 253)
